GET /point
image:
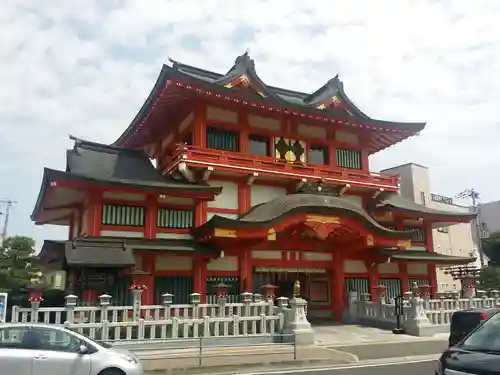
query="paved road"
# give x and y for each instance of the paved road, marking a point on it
(414, 368)
(392, 350)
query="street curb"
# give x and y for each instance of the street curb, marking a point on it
(423, 340)
(235, 369)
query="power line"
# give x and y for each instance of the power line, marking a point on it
(474, 196)
(9, 204)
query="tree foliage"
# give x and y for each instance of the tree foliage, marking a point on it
(490, 278)
(491, 247)
(18, 262)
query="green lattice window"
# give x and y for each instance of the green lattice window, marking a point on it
(174, 218)
(114, 214)
(223, 139)
(349, 158)
(419, 236)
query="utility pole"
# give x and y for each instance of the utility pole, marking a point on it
(474, 195)
(9, 203)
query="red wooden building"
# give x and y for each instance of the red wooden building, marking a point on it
(251, 184)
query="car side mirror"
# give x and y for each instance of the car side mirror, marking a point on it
(83, 349)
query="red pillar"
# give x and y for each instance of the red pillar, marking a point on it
(245, 270)
(337, 285)
(148, 279)
(403, 271)
(373, 278)
(151, 215)
(429, 244)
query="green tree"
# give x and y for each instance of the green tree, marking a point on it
(490, 278)
(491, 247)
(18, 262)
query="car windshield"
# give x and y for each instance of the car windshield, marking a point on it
(486, 337)
(102, 343)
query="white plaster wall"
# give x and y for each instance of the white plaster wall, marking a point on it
(228, 198)
(354, 266)
(121, 233)
(417, 268)
(173, 263)
(177, 200)
(318, 256)
(262, 193)
(386, 268)
(263, 122)
(219, 114)
(123, 196)
(311, 131)
(223, 264)
(138, 261)
(266, 254)
(347, 137)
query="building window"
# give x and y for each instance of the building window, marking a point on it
(318, 155)
(349, 158)
(174, 218)
(422, 198)
(443, 230)
(113, 214)
(222, 139)
(258, 145)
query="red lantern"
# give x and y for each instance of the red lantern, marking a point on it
(221, 290)
(381, 290)
(424, 290)
(269, 291)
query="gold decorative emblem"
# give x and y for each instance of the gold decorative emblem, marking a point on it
(271, 235)
(369, 240)
(296, 289)
(227, 233)
(404, 244)
(323, 219)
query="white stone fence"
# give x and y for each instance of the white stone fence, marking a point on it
(421, 316)
(167, 322)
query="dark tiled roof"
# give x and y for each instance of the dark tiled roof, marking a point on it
(114, 166)
(424, 256)
(276, 210)
(114, 251)
(122, 165)
(279, 97)
(395, 202)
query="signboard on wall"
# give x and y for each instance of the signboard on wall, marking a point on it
(3, 306)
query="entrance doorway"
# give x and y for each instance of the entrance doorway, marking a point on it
(285, 278)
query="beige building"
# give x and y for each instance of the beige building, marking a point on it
(455, 239)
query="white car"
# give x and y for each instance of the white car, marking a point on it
(42, 349)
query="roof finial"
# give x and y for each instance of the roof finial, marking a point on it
(247, 51)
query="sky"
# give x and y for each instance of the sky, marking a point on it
(84, 67)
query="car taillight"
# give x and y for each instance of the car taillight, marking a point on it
(483, 316)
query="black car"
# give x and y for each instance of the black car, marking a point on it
(464, 322)
(478, 353)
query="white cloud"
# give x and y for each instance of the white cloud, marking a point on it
(84, 67)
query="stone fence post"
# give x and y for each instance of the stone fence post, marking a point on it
(296, 324)
(351, 310)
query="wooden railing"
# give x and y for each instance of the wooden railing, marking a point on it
(264, 163)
